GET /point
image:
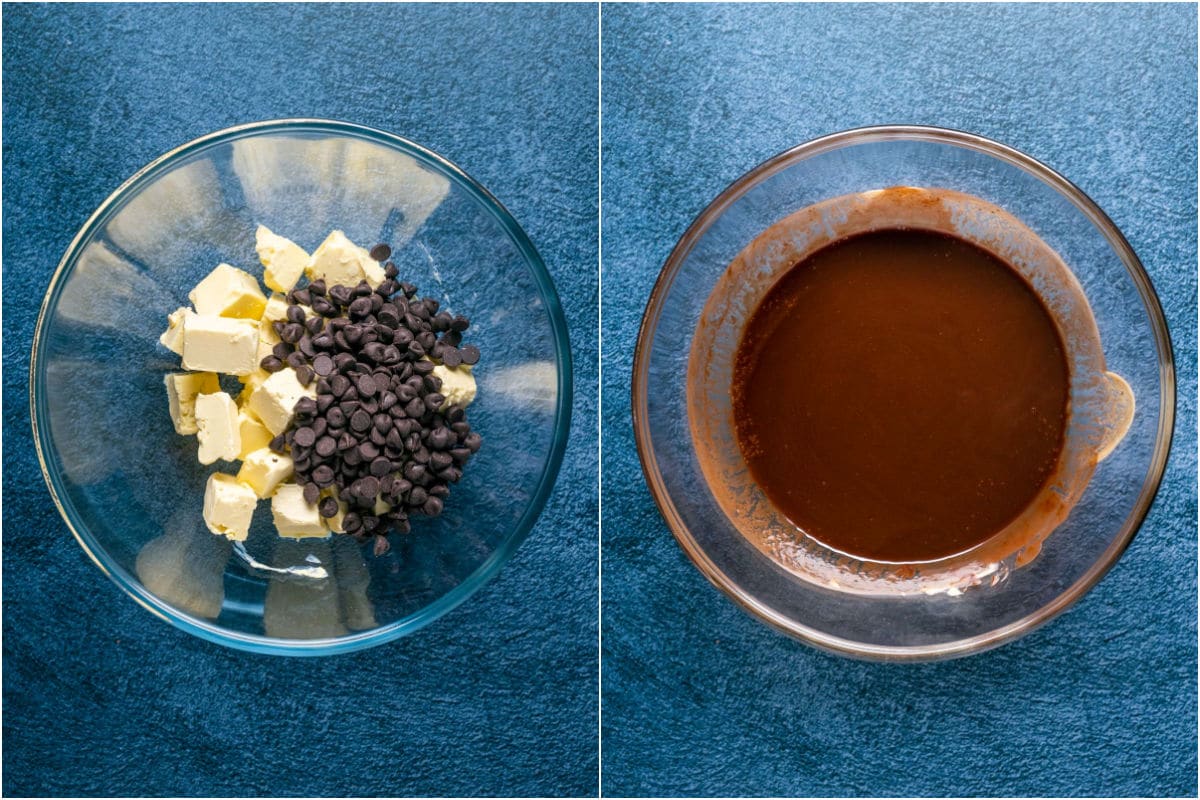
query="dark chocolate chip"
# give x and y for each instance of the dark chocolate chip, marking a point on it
(305, 375)
(292, 333)
(312, 493)
(271, 364)
(296, 360)
(305, 407)
(305, 437)
(323, 476)
(336, 418)
(470, 354)
(295, 314)
(459, 324)
(366, 386)
(326, 446)
(381, 252)
(433, 506)
(451, 357)
(328, 507)
(282, 350)
(360, 421)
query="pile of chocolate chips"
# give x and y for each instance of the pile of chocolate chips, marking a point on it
(379, 426)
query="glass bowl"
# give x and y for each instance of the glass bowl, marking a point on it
(926, 622)
(131, 489)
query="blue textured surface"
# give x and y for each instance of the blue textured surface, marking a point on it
(701, 699)
(498, 697)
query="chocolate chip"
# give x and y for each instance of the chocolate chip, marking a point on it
(451, 357)
(417, 496)
(433, 400)
(278, 443)
(305, 407)
(360, 421)
(432, 507)
(305, 346)
(381, 252)
(295, 314)
(470, 354)
(440, 438)
(473, 441)
(459, 324)
(368, 450)
(359, 309)
(296, 360)
(292, 333)
(323, 476)
(282, 350)
(305, 375)
(326, 446)
(366, 386)
(312, 493)
(340, 294)
(304, 437)
(439, 461)
(323, 365)
(380, 467)
(338, 385)
(352, 521)
(328, 506)
(271, 364)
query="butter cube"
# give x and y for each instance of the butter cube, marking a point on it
(217, 424)
(263, 471)
(228, 506)
(182, 388)
(283, 260)
(172, 337)
(218, 344)
(275, 311)
(274, 401)
(255, 435)
(228, 292)
(295, 518)
(340, 261)
(458, 384)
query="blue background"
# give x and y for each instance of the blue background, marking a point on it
(701, 699)
(498, 697)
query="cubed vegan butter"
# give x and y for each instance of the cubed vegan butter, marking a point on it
(340, 261)
(228, 506)
(228, 292)
(274, 401)
(295, 518)
(458, 384)
(172, 337)
(283, 260)
(263, 471)
(255, 435)
(219, 344)
(217, 428)
(182, 388)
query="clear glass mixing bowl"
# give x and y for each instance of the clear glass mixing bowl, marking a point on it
(911, 626)
(131, 489)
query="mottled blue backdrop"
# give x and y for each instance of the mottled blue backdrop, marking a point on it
(701, 699)
(496, 698)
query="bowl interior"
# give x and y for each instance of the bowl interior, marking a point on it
(1131, 330)
(132, 489)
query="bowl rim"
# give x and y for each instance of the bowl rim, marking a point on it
(204, 628)
(873, 134)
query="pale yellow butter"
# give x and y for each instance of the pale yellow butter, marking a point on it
(228, 292)
(283, 260)
(182, 388)
(217, 428)
(172, 337)
(294, 517)
(255, 435)
(458, 384)
(275, 311)
(263, 471)
(228, 506)
(219, 344)
(340, 261)
(275, 399)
